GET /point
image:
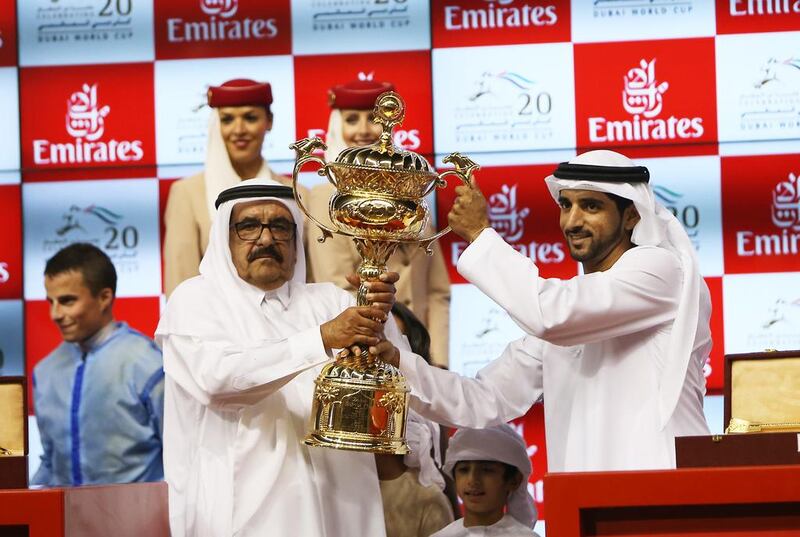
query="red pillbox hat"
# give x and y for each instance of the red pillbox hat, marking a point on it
(240, 92)
(357, 94)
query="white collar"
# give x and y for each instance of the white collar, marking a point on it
(282, 294)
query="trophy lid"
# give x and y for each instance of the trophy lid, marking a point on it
(389, 111)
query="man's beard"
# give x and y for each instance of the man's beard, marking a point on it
(598, 248)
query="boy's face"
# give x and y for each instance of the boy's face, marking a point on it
(483, 487)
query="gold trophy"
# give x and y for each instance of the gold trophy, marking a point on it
(361, 403)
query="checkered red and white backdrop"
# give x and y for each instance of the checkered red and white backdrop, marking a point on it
(100, 107)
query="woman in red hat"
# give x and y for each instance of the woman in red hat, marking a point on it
(240, 119)
(424, 284)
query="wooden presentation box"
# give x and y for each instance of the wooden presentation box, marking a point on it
(762, 395)
(13, 433)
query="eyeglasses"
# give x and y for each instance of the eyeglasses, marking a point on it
(251, 230)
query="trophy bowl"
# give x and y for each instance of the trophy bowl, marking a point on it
(361, 403)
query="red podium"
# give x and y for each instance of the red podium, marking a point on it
(701, 502)
(131, 510)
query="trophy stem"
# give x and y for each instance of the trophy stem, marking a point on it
(374, 255)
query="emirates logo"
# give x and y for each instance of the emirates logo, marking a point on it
(786, 204)
(85, 119)
(220, 8)
(504, 216)
(507, 218)
(219, 25)
(785, 214)
(642, 94)
(86, 123)
(643, 99)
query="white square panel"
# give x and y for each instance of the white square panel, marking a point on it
(120, 216)
(182, 117)
(505, 98)
(690, 188)
(479, 329)
(69, 32)
(759, 80)
(626, 20)
(9, 134)
(336, 26)
(761, 311)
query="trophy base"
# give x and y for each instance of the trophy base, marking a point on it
(357, 442)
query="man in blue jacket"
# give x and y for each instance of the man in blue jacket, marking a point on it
(99, 394)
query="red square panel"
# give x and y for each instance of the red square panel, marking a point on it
(11, 244)
(410, 72)
(714, 370)
(42, 336)
(531, 427)
(522, 211)
(656, 97)
(748, 16)
(96, 116)
(220, 28)
(469, 23)
(761, 213)
(8, 33)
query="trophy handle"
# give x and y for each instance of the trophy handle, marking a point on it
(464, 168)
(305, 149)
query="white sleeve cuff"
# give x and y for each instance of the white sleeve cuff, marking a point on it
(410, 365)
(307, 346)
(471, 258)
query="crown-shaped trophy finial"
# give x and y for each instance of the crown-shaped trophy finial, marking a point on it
(389, 111)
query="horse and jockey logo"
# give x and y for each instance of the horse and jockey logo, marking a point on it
(512, 100)
(72, 218)
(498, 85)
(785, 71)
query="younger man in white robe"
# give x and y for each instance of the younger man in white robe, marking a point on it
(243, 343)
(618, 352)
(491, 469)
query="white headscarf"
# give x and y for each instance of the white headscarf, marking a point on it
(422, 435)
(218, 172)
(225, 294)
(500, 443)
(333, 138)
(657, 227)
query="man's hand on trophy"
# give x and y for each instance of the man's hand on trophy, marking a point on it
(387, 352)
(355, 325)
(468, 216)
(384, 351)
(381, 293)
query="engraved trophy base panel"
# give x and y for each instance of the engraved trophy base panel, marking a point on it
(357, 442)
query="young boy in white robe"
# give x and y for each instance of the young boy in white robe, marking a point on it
(491, 469)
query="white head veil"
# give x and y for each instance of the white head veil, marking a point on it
(657, 227)
(225, 295)
(500, 443)
(422, 436)
(333, 138)
(218, 173)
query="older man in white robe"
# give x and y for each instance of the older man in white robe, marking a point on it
(618, 351)
(243, 343)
